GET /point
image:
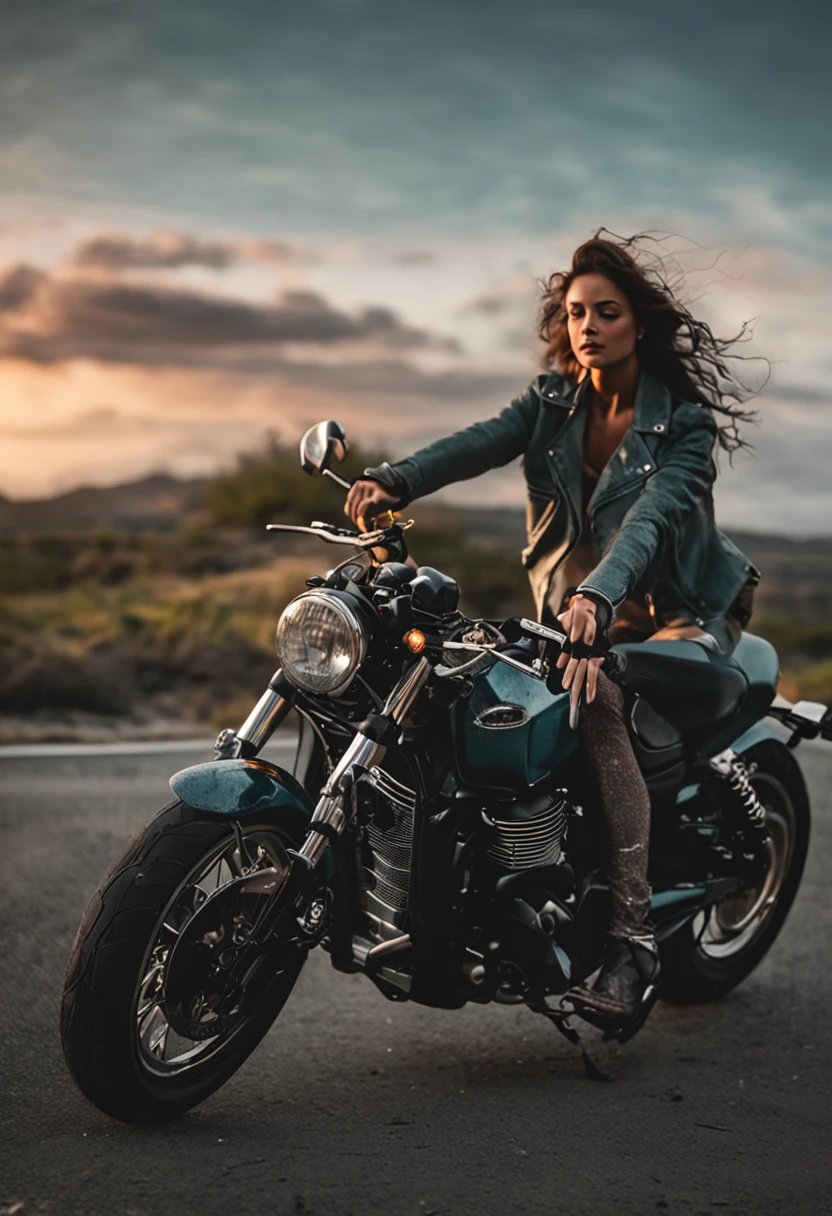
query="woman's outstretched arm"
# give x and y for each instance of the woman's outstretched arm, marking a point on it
(483, 446)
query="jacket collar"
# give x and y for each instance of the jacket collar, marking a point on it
(653, 404)
(651, 410)
(633, 461)
(566, 453)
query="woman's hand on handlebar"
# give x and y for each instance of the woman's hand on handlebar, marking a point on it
(580, 626)
(365, 500)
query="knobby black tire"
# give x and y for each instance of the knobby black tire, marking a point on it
(688, 975)
(98, 1022)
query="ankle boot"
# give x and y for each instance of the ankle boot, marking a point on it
(625, 988)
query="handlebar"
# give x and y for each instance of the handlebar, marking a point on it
(389, 538)
(614, 663)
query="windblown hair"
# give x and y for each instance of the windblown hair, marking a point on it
(676, 348)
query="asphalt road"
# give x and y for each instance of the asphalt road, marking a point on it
(355, 1105)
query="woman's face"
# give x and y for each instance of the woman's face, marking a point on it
(602, 326)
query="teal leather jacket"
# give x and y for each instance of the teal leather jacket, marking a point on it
(651, 513)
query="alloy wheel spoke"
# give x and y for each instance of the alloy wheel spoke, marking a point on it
(156, 1037)
(157, 1041)
(147, 1017)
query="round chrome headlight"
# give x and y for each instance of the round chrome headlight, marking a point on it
(321, 642)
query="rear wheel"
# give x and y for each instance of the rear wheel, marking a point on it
(130, 1055)
(725, 942)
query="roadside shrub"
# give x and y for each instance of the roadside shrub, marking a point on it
(795, 639)
(269, 486)
(55, 682)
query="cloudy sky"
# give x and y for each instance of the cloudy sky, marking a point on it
(218, 220)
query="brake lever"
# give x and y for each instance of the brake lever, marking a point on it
(575, 708)
(537, 673)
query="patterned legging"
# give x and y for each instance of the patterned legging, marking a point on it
(625, 803)
(624, 798)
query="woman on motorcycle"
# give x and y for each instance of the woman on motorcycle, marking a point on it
(617, 444)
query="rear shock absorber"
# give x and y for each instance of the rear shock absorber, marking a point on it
(736, 792)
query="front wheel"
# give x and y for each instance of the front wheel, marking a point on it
(128, 1055)
(723, 944)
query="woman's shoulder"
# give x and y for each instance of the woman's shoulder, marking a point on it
(551, 386)
(690, 415)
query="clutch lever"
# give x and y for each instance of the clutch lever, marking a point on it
(333, 535)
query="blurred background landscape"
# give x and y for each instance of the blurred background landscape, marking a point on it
(221, 223)
(148, 609)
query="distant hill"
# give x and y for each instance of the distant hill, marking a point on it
(155, 504)
(797, 574)
(159, 502)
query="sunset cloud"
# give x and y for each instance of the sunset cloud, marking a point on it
(416, 257)
(18, 284)
(173, 250)
(216, 222)
(512, 294)
(54, 318)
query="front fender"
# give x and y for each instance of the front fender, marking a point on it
(240, 787)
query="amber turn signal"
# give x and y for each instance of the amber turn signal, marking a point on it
(415, 641)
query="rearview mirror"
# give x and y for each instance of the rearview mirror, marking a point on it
(320, 445)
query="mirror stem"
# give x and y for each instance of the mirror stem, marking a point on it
(346, 485)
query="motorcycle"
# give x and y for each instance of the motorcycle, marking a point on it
(440, 832)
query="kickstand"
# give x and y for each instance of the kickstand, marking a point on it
(560, 1020)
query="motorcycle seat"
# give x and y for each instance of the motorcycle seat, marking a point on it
(689, 684)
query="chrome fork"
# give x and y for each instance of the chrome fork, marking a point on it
(364, 753)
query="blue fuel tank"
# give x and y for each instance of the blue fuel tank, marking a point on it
(511, 730)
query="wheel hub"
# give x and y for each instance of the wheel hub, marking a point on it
(216, 955)
(732, 925)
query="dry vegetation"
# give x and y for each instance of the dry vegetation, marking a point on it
(145, 627)
(178, 628)
(165, 644)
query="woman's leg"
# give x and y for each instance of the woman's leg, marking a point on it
(624, 990)
(625, 804)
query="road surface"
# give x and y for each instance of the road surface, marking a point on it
(355, 1105)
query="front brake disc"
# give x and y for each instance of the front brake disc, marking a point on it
(217, 952)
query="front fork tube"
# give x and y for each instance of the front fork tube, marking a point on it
(330, 814)
(362, 753)
(260, 725)
(262, 722)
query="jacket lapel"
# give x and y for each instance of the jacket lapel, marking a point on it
(566, 453)
(633, 461)
(629, 466)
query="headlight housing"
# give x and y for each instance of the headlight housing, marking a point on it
(321, 642)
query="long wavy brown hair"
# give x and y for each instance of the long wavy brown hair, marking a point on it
(676, 348)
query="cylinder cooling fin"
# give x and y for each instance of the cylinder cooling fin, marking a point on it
(393, 847)
(532, 836)
(388, 859)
